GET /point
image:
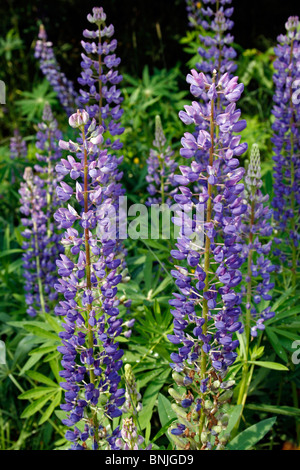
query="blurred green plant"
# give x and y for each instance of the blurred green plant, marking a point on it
(31, 104)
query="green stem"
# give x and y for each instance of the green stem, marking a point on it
(38, 269)
(88, 276)
(203, 363)
(246, 375)
(99, 81)
(48, 183)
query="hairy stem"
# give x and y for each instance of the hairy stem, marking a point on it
(88, 274)
(203, 365)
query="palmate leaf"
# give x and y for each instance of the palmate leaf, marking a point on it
(32, 103)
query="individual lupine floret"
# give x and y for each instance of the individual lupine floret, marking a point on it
(89, 279)
(161, 167)
(99, 77)
(18, 147)
(216, 48)
(49, 66)
(207, 309)
(286, 140)
(256, 229)
(39, 201)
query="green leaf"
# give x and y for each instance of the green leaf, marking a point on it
(36, 405)
(248, 438)
(278, 410)
(30, 363)
(148, 274)
(55, 369)
(234, 416)
(38, 377)
(36, 392)
(43, 349)
(165, 410)
(40, 332)
(275, 342)
(149, 376)
(269, 365)
(162, 286)
(46, 415)
(10, 252)
(149, 399)
(163, 430)
(53, 323)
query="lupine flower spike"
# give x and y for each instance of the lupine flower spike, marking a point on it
(256, 228)
(89, 279)
(286, 140)
(206, 312)
(50, 68)
(216, 50)
(38, 202)
(161, 168)
(102, 100)
(100, 77)
(18, 148)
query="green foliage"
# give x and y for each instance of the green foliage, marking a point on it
(31, 104)
(29, 361)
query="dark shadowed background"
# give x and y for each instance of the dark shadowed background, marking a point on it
(138, 25)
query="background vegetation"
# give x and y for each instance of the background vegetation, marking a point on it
(157, 49)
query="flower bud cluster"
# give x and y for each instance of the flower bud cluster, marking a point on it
(161, 167)
(255, 230)
(133, 397)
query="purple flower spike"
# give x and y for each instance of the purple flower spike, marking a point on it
(89, 273)
(38, 199)
(161, 167)
(100, 78)
(216, 50)
(208, 260)
(18, 148)
(286, 141)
